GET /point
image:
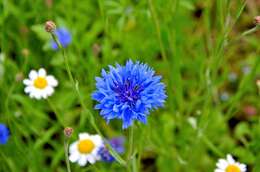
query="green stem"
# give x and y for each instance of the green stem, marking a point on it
(245, 33)
(158, 30)
(76, 88)
(131, 156)
(212, 146)
(66, 148)
(254, 29)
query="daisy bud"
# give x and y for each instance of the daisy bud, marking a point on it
(257, 20)
(68, 131)
(50, 26)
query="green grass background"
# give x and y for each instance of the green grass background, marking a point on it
(193, 44)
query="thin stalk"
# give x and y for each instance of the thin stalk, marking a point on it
(76, 88)
(130, 158)
(66, 148)
(245, 33)
(210, 145)
(131, 142)
(250, 31)
(158, 30)
(134, 164)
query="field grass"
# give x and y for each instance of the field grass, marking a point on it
(204, 49)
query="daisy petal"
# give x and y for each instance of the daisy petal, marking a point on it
(83, 136)
(49, 91)
(42, 72)
(33, 75)
(52, 81)
(218, 170)
(230, 159)
(27, 82)
(28, 89)
(222, 164)
(97, 139)
(91, 159)
(73, 147)
(74, 157)
(82, 160)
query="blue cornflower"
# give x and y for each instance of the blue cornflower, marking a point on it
(4, 134)
(117, 144)
(128, 92)
(63, 36)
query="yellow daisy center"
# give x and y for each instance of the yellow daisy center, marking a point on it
(40, 82)
(232, 168)
(86, 146)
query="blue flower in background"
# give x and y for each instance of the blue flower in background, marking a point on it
(63, 36)
(4, 134)
(128, 92)
(117, 144)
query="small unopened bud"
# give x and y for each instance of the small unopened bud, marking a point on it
(249, 110)
(19, 77)
(50, 26)
(68, 131)
(25, 52)
(96, 49)
(258, 83)
(257, 20)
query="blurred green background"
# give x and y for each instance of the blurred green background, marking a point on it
(209, 67)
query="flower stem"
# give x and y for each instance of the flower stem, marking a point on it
(76, 88)
(252, 30)
(245, 33)
(210, 145)
(66, 148)
(158, 30)
(131, 155)
(131, 142)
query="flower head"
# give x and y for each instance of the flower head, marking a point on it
(40, 85)
(128, 92)
(85, 149)
(229, 165)
(117, 144)
(4, 134)
(63, 36)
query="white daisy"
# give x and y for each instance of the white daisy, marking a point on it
(86, 149)
(229, 165)
(40, 85)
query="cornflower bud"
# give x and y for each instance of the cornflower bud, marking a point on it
(50, 26)
(68, 132)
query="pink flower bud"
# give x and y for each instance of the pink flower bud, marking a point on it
(50, 26)
(257, 20)
(68, 131)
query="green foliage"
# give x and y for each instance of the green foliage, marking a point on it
(193, 44)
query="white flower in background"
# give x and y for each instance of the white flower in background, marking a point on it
(85, 149)
(229, 165)
(40, 85)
